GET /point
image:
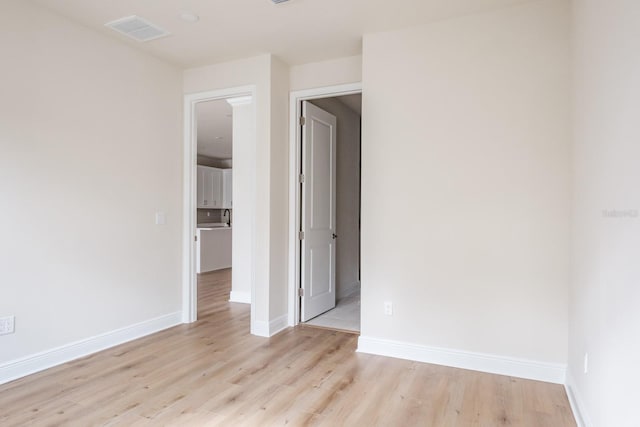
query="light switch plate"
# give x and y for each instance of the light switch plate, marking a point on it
(161, 218)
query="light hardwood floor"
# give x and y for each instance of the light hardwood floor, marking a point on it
(214, 373)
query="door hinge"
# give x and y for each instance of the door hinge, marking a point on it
(301, 179)
(301, 235)
(195, 238)
(300, 292)
(303, 121)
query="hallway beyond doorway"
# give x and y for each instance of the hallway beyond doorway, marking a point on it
(345, 317)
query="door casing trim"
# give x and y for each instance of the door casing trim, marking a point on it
(189, 208)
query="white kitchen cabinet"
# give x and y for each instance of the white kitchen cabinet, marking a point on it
(216, 187)
(200, 186)
(209, 189)
(227, 189)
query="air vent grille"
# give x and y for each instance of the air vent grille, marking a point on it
(279, 1)
(137, 28)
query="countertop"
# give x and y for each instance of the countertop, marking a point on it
(214, 226)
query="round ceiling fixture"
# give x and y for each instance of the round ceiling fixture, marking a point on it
(189, 16)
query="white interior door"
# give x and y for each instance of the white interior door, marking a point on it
(318, 254)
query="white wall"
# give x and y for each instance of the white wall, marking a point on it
(90, 143)
(466, 186)
(605, 296)
(279, 196)
(326, 73)
(244, 165)
(347, 194)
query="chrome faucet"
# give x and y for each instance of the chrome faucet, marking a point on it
(227, 213)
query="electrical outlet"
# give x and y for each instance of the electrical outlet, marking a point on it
(388, 308)
(586, 363)
(7, 325)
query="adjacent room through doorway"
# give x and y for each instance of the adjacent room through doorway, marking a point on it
(214, 194)
(330, 212)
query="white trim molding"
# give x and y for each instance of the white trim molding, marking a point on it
(260, 328)
(264, 329)
(540, 371)
(47, 359)
(241, 297)
(577, 403)
(240, 100)
(278, 325)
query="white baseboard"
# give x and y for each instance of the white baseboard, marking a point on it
(269, 329)
(40, 361)
(260, 328)
(345, 292)
(278, 325)
(548, 372)
(241, 297)
(577, 403)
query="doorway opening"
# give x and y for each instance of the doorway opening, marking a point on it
(219, 196)
(214, 189)
(325, 280)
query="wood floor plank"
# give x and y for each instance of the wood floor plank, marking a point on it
(214, 373)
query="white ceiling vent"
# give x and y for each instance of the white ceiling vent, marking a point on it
(137, 28)
(279, 1)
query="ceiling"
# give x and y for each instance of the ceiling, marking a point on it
(298, 31)
(215, 129)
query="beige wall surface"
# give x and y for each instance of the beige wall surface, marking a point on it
(605, 294)
(348, 194)
(326, 73)
(248, 71)
(279, 219)
(466, 230)
(90, 143)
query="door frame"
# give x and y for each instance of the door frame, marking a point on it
(189, 209)
(295, 153)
